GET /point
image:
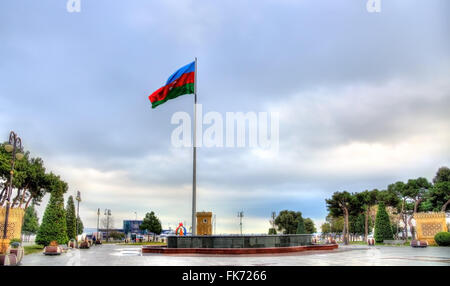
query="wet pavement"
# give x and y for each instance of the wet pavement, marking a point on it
(115, 255)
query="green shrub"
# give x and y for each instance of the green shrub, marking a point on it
(442, 238)
(15, 240)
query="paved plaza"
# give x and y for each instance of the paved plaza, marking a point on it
(356, 255)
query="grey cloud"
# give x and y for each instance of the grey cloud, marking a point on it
(75, 87)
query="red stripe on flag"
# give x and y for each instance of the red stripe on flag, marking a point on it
(162, 92)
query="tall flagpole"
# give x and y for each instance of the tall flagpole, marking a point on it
(194, 177)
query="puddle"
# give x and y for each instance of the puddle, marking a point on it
(127, 252)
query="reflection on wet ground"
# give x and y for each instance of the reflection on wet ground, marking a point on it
(127, 252)
(110, 254)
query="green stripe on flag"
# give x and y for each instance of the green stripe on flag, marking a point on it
(175, 92)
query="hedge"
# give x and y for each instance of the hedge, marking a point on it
(442, 238)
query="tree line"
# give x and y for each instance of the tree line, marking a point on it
(58, 224)
(352, 213)
(30, 183)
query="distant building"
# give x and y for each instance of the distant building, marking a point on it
(104, 233)
(132, 227)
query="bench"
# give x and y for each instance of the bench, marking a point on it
(393, 242)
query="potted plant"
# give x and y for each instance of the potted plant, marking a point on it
(85, 244)
(52, 249)
(72, 243)
(17, 249)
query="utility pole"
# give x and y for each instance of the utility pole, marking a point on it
(107, 228)
(274, 215)
(107, 214)
(240, 216)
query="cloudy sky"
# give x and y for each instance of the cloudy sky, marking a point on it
(364, 100)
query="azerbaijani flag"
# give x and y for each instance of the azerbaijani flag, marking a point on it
(179, 83)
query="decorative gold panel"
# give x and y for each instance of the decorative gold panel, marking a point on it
(428, 224)
(15, 221)
(204, 223)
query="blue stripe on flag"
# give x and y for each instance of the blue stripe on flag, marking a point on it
(186, 69)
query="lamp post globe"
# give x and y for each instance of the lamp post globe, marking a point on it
(9, 148)
(19, 156)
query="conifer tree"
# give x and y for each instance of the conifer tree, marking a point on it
(54, 226)
(71, 219)
(383, 229)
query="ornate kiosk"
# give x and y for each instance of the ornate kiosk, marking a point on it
(428, 224)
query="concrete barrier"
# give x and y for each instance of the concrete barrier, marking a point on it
(239, 241)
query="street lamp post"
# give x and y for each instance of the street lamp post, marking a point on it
(240, 216)
(98, 222)
(14, 146)
(78, 198)
(107, 214)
